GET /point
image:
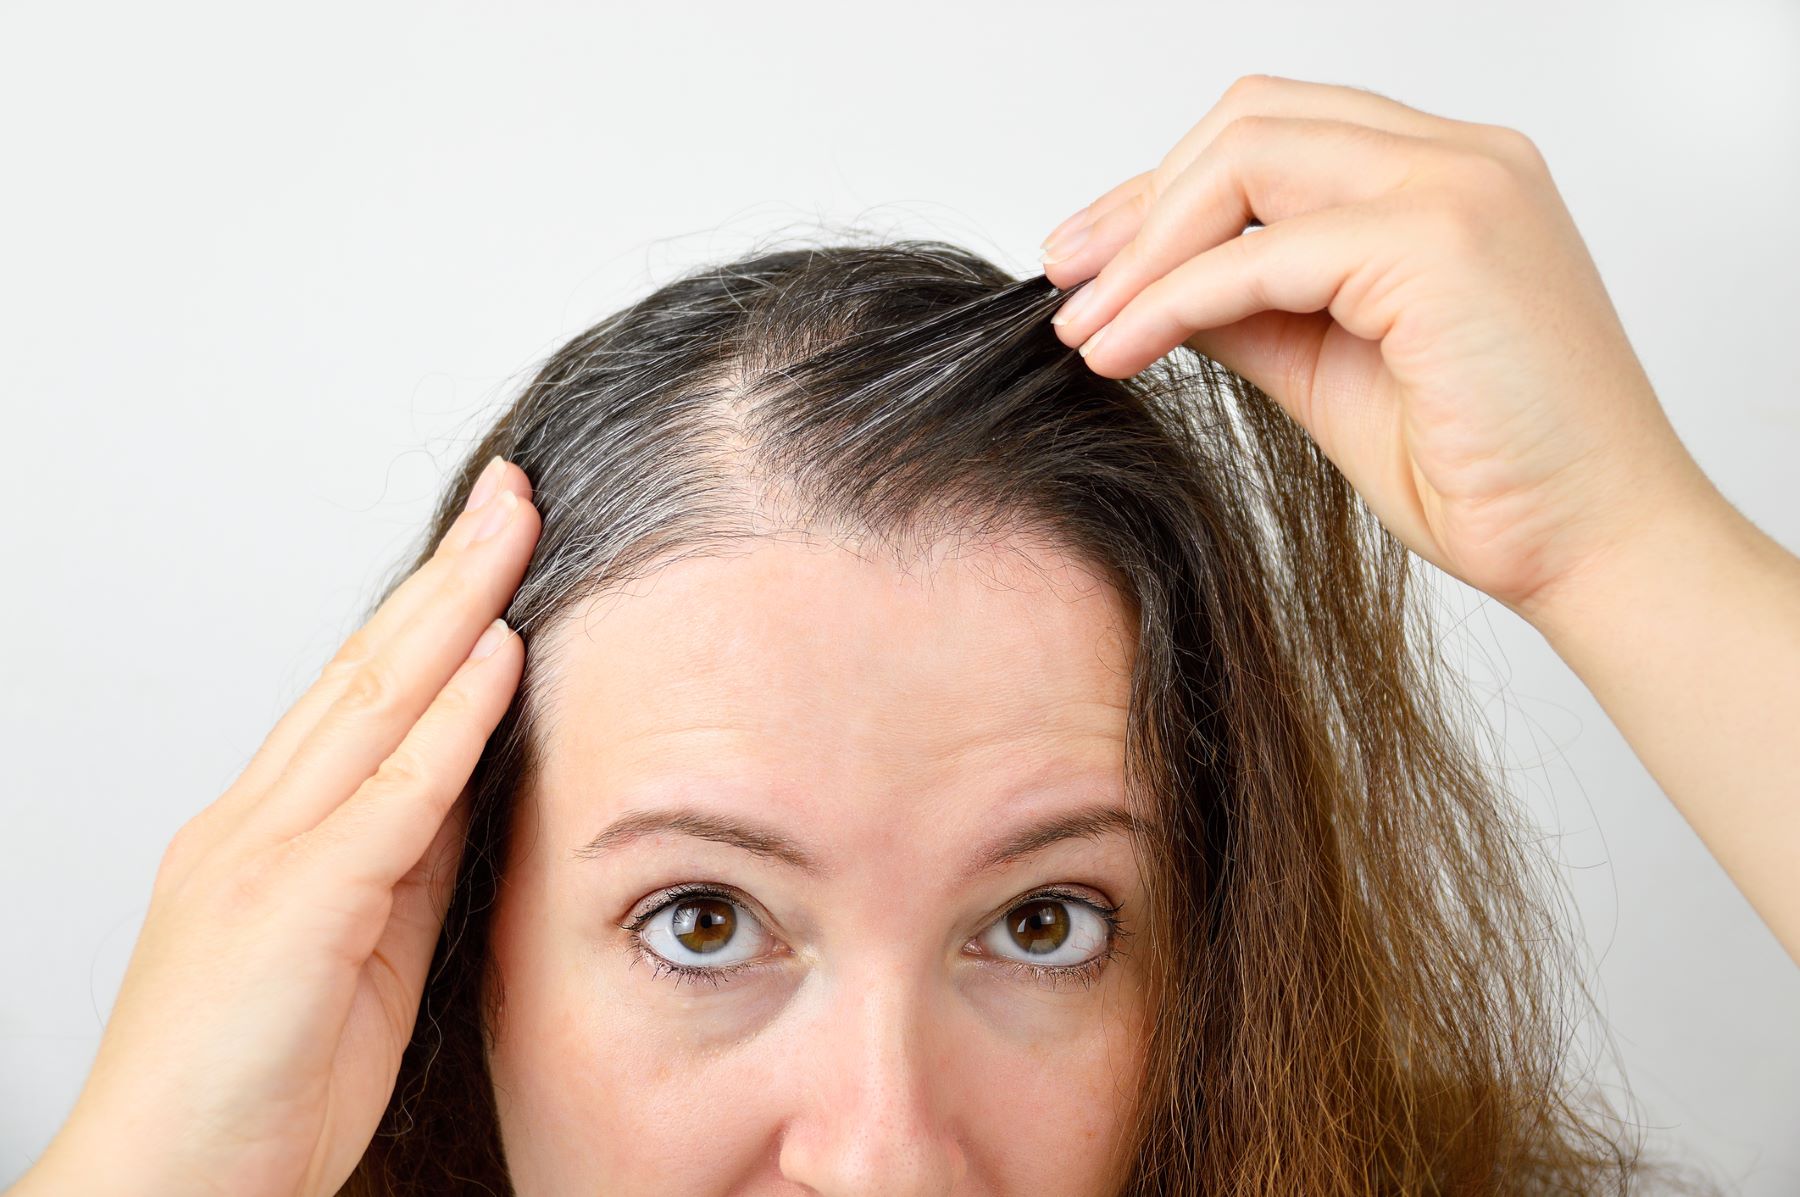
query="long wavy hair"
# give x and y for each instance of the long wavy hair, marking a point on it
(1361, 985)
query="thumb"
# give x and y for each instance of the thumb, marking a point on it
(422, 898)
(1277, 351)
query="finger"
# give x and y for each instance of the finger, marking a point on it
(1283, 354)
(1088, 215)
(1321, 261)
(399, 609)
(1279, 352)
(387, 693)
(1258, 95)
(1268, 169)
(1320, 269)
(379, 835)
(229, 810)
(1275, 95)
(421, 900)
(1317, 263)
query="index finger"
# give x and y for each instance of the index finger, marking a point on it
(399, 609)
(1114, 219)
(1275, 95)
(386, 693)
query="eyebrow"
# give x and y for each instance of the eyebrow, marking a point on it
(1089, 822)
(725, 829)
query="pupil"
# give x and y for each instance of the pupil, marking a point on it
(704, 924)
(1040, 926)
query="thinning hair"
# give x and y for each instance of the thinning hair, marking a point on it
(1359, 985)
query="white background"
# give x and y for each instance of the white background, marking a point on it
(264, 270)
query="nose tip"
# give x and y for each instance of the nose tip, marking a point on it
(872, 1159)
(875, 1122)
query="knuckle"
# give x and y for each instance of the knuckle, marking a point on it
(404, 771)
(1158, 231)
(1158, 181)
(453, 705)
(182, 851)
(1239, 131)
(245, 889)
(339, 671)
(1472, 179)
(244, 882)
(1479, 179)
(1144, 204)
(1454, 226)
(1246, 87)
(351, 655)
(371, 690)
(1486, 173)
(1512, 147)
(307, 871)
(457, 589)
(1247, 256)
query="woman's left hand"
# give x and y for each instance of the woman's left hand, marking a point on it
(1419, 300)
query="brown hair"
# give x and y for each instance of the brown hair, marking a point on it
(1359, 983)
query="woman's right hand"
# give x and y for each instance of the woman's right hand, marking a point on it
(259, 1028)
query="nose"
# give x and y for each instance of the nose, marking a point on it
(873, 1119)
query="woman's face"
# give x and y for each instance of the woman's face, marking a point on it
(830, 796)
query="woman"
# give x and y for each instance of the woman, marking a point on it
(951, 764)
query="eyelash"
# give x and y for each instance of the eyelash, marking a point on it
(1055, 976)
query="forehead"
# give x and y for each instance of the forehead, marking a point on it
(807, 678)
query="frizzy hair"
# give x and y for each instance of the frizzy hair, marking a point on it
(1359, 987)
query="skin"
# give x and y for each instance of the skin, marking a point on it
(1418, 300)
(893, 724)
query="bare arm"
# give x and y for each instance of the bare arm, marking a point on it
(1690, 638)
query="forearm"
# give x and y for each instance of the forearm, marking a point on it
(97, 1161)
(63, 1177)
(1690, 639)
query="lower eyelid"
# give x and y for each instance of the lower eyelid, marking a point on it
(662, 967)
(1055, 976)
(1083, 975)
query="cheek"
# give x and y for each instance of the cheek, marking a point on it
(1047, 1114)
(591, 1086)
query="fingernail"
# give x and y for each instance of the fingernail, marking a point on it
(498, 518)
(1077, 304)
(1066, 245)
(484, 485)
(1058, 231)
(490, 640)
(1087, 346)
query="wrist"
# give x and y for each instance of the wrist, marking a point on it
(1690, 544)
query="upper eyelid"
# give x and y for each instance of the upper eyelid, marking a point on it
(644, 909)
(1061, 891)
(1108, 910)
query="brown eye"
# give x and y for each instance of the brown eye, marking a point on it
(1051, 931)
(702, 930)
(703, 924)
(1040, 927)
